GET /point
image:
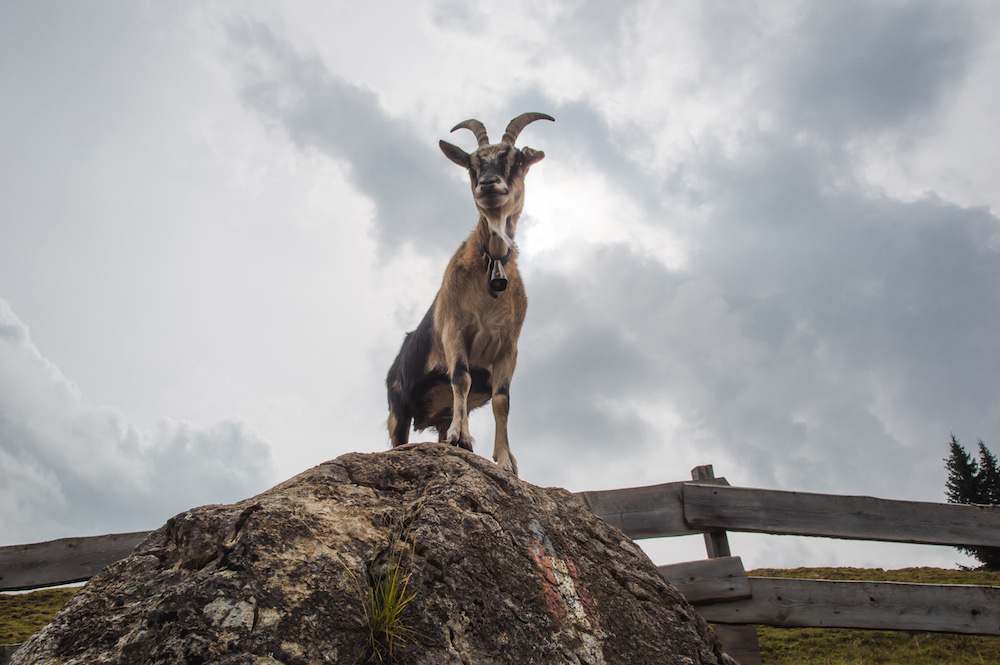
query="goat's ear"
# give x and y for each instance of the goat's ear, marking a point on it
(455, 154)
(532, 156)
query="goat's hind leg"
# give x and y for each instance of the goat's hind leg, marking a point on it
(400, 415)
(399, 424)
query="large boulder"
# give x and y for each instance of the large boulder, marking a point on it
(496, 571)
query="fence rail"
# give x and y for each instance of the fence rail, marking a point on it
(690, 507)
(718, 587)
(948, 608)
(62, 561)
(831, 516)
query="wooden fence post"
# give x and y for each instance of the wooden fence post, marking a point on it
(716, 542)
(739, 641)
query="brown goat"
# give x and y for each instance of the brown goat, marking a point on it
(464, 351)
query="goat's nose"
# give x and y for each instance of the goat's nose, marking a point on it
(490, 179)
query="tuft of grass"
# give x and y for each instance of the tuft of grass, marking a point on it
(387, 597)
(21, 614)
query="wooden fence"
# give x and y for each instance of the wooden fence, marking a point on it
(718, 587)
(721, 591)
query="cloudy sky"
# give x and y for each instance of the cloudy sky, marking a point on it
(764, 237)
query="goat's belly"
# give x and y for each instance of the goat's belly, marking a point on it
(434, 408)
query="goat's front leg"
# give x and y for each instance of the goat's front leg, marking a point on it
(503, 370)
(461, 382)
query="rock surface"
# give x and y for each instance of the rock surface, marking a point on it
(502, 572)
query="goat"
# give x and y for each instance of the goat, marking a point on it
(463, 352)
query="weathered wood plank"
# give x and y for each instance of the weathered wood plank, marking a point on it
(710, 580)
(641, 512)
(740, 642)
(7, 652)
(709, 507)
(952, 608)
(62, 561)
(653, 511)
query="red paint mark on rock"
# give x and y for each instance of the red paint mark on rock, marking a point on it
(567, 598)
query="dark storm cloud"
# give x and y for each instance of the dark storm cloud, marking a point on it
(590, 341)
(401, 171)
(576, 355)
(820, 330)
(857, 66)
(808, 322)
(897, 304)
(907, 284)
(811, 333)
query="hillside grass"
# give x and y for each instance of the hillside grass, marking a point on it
(838, 646)
(23, 614)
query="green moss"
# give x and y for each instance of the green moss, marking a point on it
(667, 605)
(23, 613)
(199, 562)
(244, 516)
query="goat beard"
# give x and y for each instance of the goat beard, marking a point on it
(498, 227)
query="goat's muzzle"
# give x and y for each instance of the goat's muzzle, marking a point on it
(491, 197)
(492, 191)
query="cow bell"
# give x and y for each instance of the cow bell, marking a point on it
(498, 277)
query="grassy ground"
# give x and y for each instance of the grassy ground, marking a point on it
(22, 614)
(834, 646)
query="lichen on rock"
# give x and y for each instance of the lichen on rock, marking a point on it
(500, 571)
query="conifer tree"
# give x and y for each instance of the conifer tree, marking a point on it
(962, 471)
(971, 482)
(988, 477)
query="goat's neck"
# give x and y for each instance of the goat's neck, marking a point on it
(496, 232)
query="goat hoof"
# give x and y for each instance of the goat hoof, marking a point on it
(508, 464)
(461, 443)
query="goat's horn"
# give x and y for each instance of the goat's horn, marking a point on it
(519, 123)
(477, 128)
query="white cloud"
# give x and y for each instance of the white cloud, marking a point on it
(70, 467)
